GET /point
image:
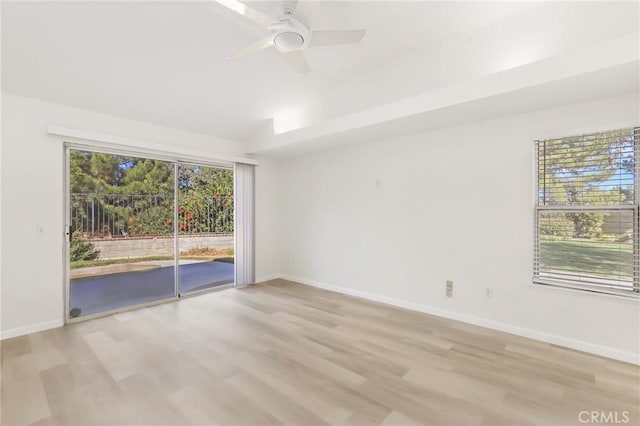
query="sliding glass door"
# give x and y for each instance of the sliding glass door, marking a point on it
(142, 230)
(205, 227)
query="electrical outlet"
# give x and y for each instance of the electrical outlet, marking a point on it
(449, 288)
(488, 292)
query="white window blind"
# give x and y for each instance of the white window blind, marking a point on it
(586, 222)
(244, 223)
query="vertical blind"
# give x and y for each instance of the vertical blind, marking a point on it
(586, 230)
(244, 223)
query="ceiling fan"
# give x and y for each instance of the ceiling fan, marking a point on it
(288, 36)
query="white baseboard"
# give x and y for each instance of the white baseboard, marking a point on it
(268, 278)
(579, 345)
(32, 328)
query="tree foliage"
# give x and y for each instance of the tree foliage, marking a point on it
(136, 195)
(590, 170)
(580, 170)
(557, 225)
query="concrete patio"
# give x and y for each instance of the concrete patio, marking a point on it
(147, 283)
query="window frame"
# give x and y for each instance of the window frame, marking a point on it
(634, 208)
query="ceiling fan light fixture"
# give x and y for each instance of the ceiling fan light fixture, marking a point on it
(287, 41)
(288, 35)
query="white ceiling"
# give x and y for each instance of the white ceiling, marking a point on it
(164, 62)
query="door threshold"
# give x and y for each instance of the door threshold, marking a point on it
(206, 290)
(149, 304)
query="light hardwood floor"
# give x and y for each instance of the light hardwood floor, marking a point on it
(283, 353)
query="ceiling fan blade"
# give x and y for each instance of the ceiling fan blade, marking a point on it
(252, 49)
(331, 38)
(297, 60)
(250, 13)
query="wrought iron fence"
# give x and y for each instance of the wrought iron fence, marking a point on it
(120, 215)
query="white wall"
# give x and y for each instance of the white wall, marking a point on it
(267, 236)
(455, 204)
(32, 200)
(393, 219)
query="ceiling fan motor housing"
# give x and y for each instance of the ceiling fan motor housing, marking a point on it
(290, 34)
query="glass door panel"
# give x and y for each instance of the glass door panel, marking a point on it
(205, 227)
(121, 236)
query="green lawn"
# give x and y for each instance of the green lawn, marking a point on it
(613, 260)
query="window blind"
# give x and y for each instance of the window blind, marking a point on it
(244, 175)
(586, 221)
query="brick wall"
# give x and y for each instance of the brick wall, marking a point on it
(118, 248)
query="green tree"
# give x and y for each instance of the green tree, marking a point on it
(589, 225)
(576, 169)
(205, 199)
(136, 194)
(148, 177)
(557, 225)
(95, 172)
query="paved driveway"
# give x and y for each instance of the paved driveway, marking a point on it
(107, 292)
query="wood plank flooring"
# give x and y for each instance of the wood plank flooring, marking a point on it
(283, 353)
